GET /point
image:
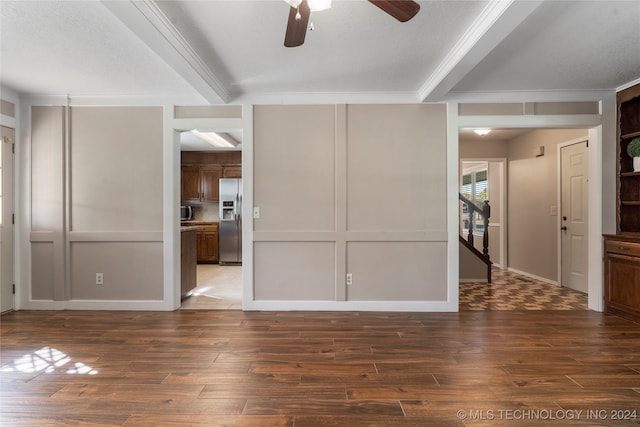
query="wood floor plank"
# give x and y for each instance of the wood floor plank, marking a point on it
(63, 420)
(209, 421)
(303, 406)
(208, 368)
(607, 381)
(286, 392)
(301, 368)
(178, 406)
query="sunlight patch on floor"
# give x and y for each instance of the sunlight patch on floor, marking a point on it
(46, 360)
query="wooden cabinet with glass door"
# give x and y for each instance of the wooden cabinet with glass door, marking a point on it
(622, 250)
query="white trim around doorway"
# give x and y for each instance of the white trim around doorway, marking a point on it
(594, 123)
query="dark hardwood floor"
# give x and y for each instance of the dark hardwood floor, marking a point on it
(215, 368)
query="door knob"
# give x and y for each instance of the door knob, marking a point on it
(563, 228)
(564, 218)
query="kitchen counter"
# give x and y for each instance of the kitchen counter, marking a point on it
(206, 240)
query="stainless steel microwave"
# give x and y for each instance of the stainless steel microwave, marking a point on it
(186, 213)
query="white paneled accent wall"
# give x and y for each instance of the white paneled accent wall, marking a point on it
(96, 205)
(294, 150)
(294, 271)
(116, 169)
(47, 203)
(396, 168)
(356, 189)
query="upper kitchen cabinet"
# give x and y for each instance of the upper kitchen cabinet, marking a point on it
(201, 173)
(199, 183)
(232, 171)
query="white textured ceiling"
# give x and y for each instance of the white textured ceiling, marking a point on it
(232, 51)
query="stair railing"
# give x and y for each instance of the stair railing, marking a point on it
(485, 213)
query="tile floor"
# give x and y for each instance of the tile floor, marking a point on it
(220, 288)
(511, 291)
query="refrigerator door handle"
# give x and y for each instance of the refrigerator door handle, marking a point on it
(235, 210)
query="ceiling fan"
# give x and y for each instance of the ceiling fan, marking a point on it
(402, 10)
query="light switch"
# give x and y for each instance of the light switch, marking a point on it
(256, 212)
(553, 210)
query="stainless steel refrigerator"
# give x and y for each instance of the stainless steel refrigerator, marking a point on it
(230, 230)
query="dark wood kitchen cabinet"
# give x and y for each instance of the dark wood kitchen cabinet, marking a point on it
(622, 250)
(232, 171)
(200, 174)
(622, 275)
(188, 266)
(208, 244)
(199, 183)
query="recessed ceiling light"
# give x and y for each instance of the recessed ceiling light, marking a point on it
(482, 132)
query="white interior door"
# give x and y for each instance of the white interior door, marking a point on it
(574, 202)
(6, 220)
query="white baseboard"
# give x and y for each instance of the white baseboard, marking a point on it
(142, 305)
(417, 306)
(484, 280)
(533, 276)
(404, 306)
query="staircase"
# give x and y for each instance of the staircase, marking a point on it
(484, 212)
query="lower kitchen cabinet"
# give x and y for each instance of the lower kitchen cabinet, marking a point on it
(188, 266)
(622, 275)
(208, 244)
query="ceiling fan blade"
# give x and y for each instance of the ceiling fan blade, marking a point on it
(297, 25)
(402, 10)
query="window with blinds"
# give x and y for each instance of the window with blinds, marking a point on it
(475, 187)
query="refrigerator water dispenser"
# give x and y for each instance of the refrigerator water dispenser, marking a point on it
(227, 211)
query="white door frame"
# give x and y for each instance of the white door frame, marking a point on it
(559, 200)
(171, 192)
(594, 123)
(7, 261)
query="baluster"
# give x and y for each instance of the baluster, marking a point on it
(472, 223)
(486, 212)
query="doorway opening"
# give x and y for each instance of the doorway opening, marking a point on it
(483, 179)
(211, 207)
(533, 206)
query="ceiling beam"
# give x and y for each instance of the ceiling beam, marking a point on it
(151, 25)
(496, 21)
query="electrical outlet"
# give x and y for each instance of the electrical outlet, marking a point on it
(349, 279)
(99, 279)
(256, 212)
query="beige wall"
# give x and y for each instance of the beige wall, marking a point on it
(47, 203)
(471, 268)
(354, 189)
(110, 220)
(116, 169)
(532, 190)
(488, 149)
